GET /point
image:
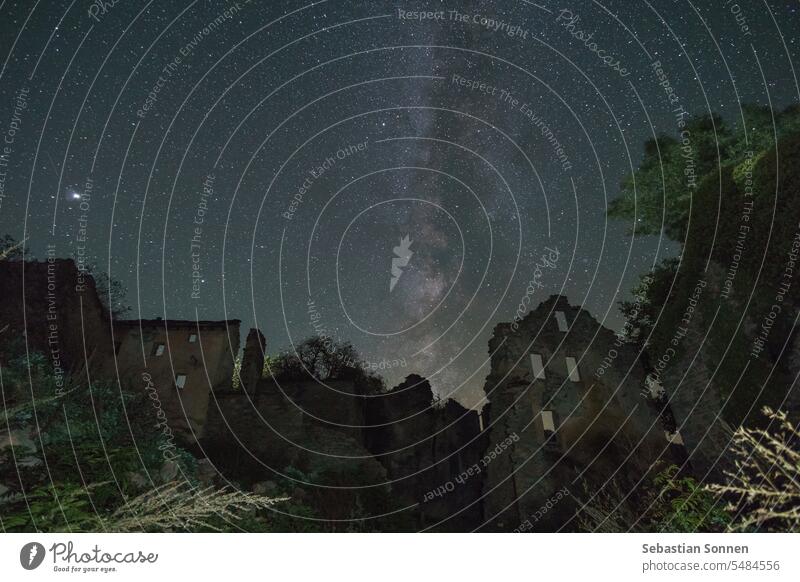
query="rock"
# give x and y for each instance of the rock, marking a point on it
(19, 439)
(138, 479)
(169, 470)
(206, 472)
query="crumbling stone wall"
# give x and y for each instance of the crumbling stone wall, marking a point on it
(270, 436)
(253, 360)
(428, 451)
(396, 440)
(157, 352)
(54, 309)
(603, 428)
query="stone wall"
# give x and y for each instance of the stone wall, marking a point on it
(53, 309)
(154, 353)
(252, 360)
(270, 436)
(603, 428)
(428, 450)
(397, 442)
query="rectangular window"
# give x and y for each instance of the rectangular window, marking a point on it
(537, 367)
(548, 425)
(674, 438)
(158, 349)
(180, 380)
(572, 369)
(192, 338)
(561, 319)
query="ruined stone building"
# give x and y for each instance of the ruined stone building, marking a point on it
(580, 420)
(185, 361)
(427, 449)
(50, 307)
(377, 447)
(566, 410)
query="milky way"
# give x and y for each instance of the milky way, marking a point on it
(242, 159)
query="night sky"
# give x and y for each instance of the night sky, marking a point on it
(265, 161)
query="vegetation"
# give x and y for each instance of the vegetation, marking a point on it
(112, 293)
(669, 502)
(323, 359)
(737, 239)
(236, 378)
(178, 506)
(79, 457)
(658, 197)
(684, 505)
(85, 457)
(318, 357)
(763, 492)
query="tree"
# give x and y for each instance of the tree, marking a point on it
(319, 357)
(658, 196)
(112, 293)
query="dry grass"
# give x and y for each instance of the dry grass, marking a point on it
(764, 490)
(178, 506)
